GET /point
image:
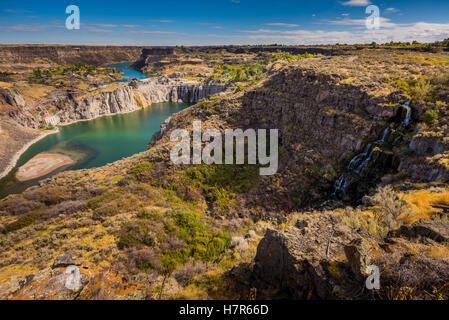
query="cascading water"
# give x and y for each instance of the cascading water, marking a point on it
(396, 140)
(385, 134)
(361, 161)
(408, 115)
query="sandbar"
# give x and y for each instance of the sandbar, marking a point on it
(41, 165)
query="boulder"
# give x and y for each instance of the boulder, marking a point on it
(426, 228)
(301, 261)
(361, 253)
(63, 260)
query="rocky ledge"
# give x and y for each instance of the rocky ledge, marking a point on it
(67, 280)
(320, 257)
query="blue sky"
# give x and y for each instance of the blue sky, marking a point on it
(214, 22)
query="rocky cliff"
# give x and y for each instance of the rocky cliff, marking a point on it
(323, 258)
(28, 54)
(135, 95)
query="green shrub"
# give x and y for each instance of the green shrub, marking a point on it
(402, 85)
(421, 90)
(418, 89)
(220, 182)
(240, 87)
(207, 246)
(22, 222)
(106, 197)
(187, 223)
(143, 170)
(137, 234)
(430, 116)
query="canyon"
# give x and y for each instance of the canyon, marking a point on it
(108, 100)
(215, 232)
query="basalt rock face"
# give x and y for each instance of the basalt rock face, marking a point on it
(314, 110)
(150, 54)
(322, 258)
(13, 107)
(426, 161)
(117, 101)
(131, 97)
(295, 263)
(68, 54)
(321, 123)
(163, 89)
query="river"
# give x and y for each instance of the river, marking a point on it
(97, 142)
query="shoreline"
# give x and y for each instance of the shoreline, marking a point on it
(13, 161)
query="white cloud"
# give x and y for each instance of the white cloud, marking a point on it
(153, 32)
(94, 29)
(345, 14)
(163, 21)
(16, 11)
(261, 31)
(36, 27)
(420, 31)
(384, 22)
(357, 3)
(391, 10)
(280, 24)
(104, 25)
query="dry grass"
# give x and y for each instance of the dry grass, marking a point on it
(421, 202)
(16, 270)
(33, 93)
(438, 252)
(5, 85)
(109, 88)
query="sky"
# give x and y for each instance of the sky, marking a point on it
(221, 22)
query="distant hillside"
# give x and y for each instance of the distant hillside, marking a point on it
(35, 55)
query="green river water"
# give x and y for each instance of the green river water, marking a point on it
(96, 142)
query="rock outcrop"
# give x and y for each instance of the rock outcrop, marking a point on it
(161, 89)
(32, 54)
(321, 258)
(13, 107)
(67, 281)
(135, 95)
(120, 100)
(300, 262)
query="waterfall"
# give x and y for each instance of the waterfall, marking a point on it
(396, 140)
(341, 185)
(355, 162)
(385, 134)
(408, 115)
(361, 161)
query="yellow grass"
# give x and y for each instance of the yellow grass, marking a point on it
(109, 88)
(438, 252)
(33, 92)
(5, 84)
(421, 202)
(17, 270)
